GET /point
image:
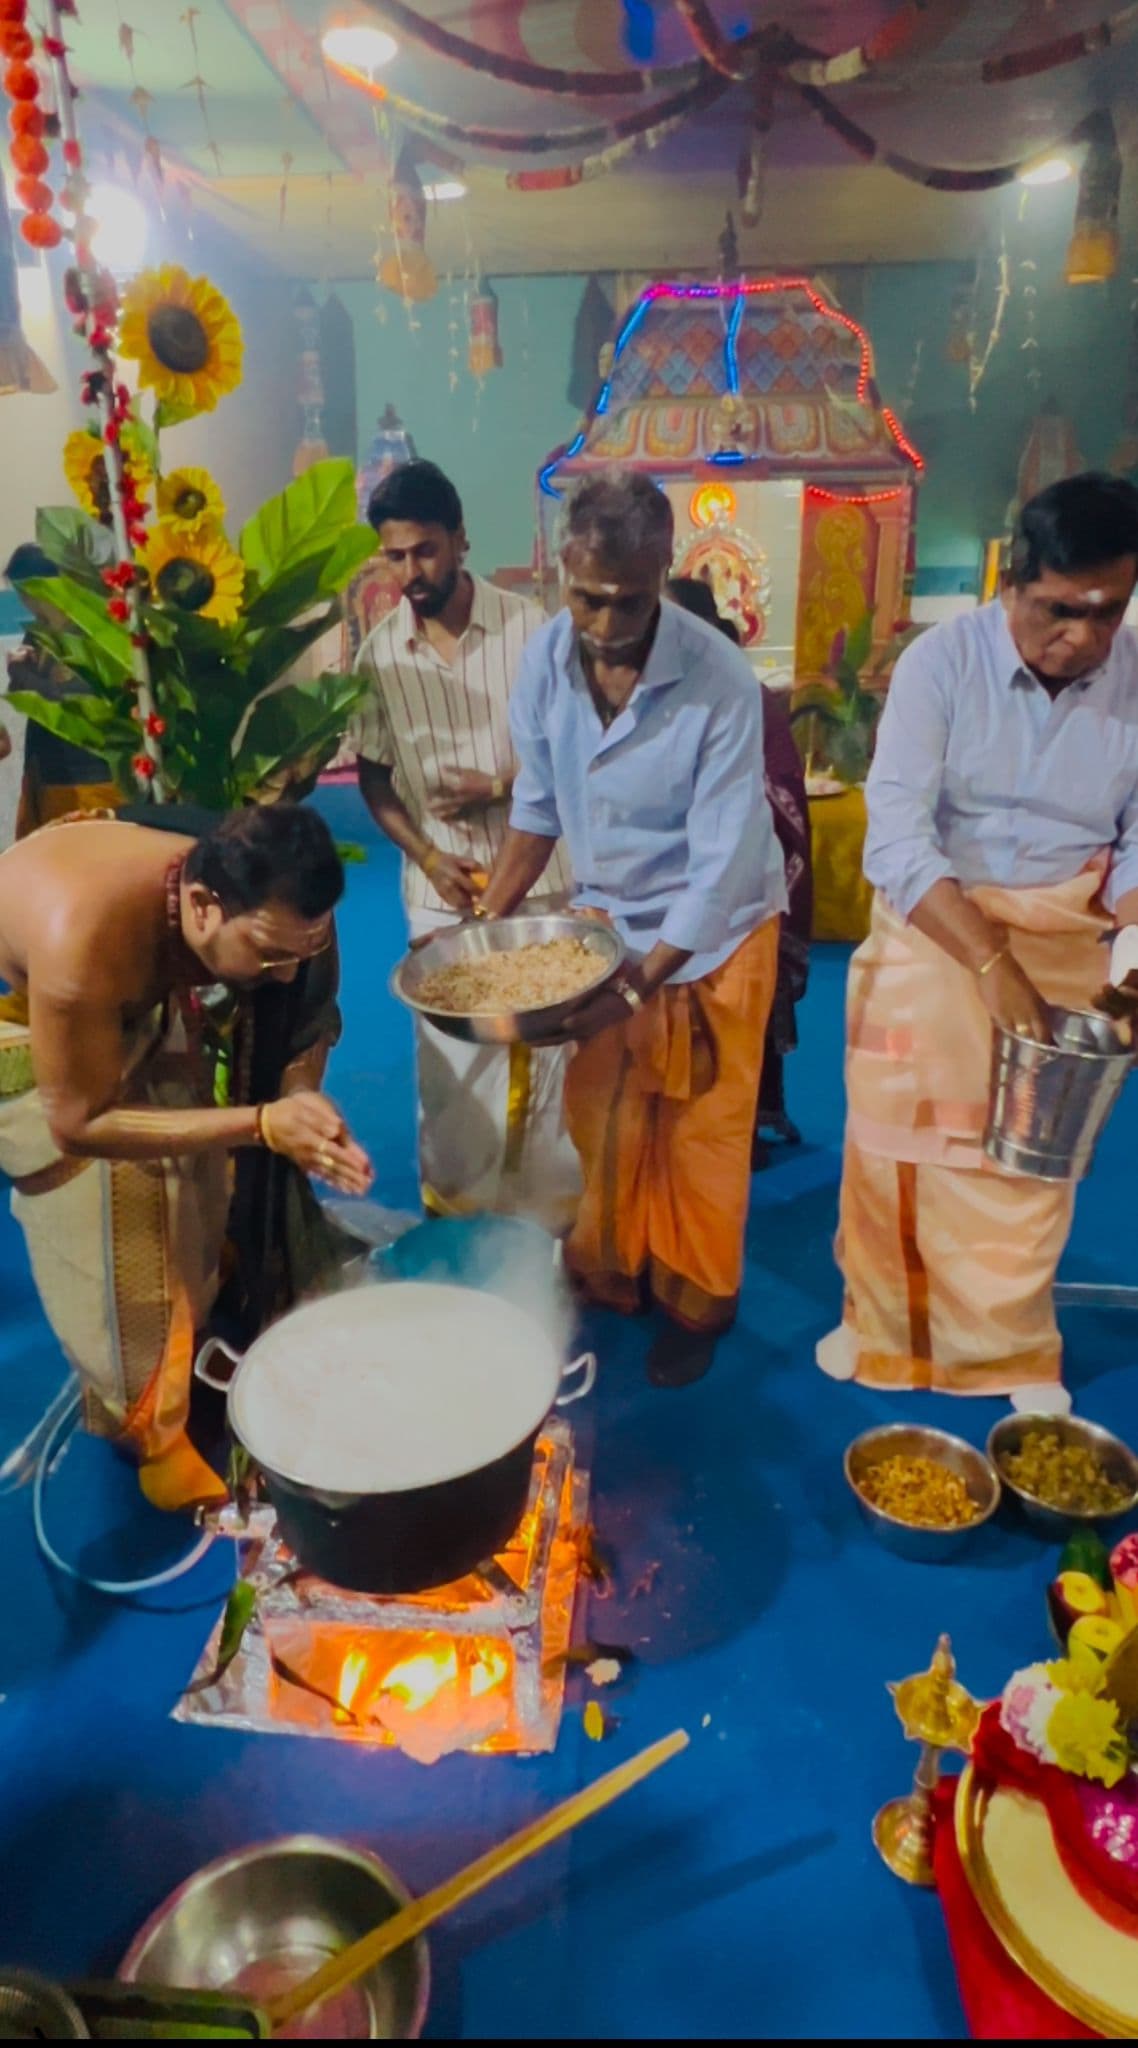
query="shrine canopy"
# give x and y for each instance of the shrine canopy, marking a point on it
(765, 372)
(763, 388)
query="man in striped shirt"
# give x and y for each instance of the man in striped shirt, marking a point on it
(436, 769)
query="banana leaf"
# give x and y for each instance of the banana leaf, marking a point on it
(85, 609)
(279, 648)
(85, 722)
(76, 544)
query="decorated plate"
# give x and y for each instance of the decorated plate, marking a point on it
(1086, 1966)
(826, 785)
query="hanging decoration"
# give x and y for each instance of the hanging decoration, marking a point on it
(20, 367)
(1092, 257)
(582, 85)
(1051, 453)
(485, 349)
(1124, 458)
(959, 340)
(752, 170)
(312, 446)
(978, 362)
(730, 59)
(1029, 346)
(141, 101)
(408, 270)
(916, 19)
(198, 85)
(30, 128)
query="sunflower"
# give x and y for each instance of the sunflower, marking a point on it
(189, 499)
(196, 572)
(184, 336)
(86, 470)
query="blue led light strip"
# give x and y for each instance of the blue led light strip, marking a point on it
(730, 347)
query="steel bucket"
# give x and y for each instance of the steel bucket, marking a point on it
(1048, 1104)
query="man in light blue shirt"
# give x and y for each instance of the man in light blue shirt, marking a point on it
(638, 735)
(1003, 845)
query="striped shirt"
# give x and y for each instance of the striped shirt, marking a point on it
(421, 716)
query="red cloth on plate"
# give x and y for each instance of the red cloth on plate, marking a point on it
(1000, 2002)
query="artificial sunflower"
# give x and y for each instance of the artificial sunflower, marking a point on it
(86, 470)
(189, 499)
(184, 336)
(196, 572)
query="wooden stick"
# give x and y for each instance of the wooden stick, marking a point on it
(352, 1963)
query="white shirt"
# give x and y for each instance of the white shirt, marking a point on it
(422, 716)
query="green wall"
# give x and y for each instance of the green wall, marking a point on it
(492, 444)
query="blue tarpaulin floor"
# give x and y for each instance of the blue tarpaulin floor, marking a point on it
(738, 1894)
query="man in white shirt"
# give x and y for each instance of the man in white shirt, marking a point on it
(436, 769)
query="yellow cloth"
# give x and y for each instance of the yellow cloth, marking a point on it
(842, 896)
(949, 1262)
(662, 1112)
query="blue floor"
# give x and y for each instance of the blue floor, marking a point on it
(739, 1894)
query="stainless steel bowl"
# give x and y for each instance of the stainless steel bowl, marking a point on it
(1117, 1460)
(265, 1918)
(504, 935)
(910, 1440)
(34, 2009)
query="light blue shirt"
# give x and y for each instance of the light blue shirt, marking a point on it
(980, 776)
(665, 814)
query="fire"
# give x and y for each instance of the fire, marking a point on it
(418, 1680)
(353, 1671)
(491, 1669)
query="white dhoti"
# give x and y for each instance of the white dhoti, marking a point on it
(492, 1130)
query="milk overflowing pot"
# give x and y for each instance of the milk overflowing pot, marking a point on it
(394, 1427)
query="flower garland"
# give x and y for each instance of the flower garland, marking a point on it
(92, 301)
(1059, 1713)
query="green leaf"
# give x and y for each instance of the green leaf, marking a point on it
(307, 517)
(87, 611)
(293, 593)
(168, 413)
(859, 644)
(81, 721)
(293, 723)
(75, 543)
(82, 658)
(353, 549)
(351, 853)
(278, 649)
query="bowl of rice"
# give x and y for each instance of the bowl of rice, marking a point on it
(509, 980)
(923, 1493)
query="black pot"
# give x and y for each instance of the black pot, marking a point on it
(408, 1540)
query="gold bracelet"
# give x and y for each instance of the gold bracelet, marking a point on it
(993, 962)
(430, 859)
(265, 1129)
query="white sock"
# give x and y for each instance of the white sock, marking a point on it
(1051, 1399)
(837, 1354)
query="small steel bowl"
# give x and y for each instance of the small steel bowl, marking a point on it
(912, 1440)
(452, 948)
(260, 1921)
(1117, 1460)
(34, 2009)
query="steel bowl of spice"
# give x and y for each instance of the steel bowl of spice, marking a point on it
(923, 1493)
(1057, 1470)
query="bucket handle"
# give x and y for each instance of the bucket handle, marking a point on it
(201, 1363)
(586, 1365)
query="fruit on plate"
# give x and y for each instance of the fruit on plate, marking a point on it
(1085, 1551)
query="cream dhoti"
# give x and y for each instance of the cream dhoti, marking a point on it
(492, 1128)
(125, 1259)
(949, 1262)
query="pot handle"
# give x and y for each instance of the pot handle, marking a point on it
(586, 1365)
(201, 1363)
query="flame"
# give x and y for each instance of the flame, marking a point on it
(418, 1680)
(490, 1670)
(353, 1671)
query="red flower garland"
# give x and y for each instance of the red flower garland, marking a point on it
(28, 124)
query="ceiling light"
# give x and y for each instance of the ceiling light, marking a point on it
(1048, 170)
(446, 188)
(359, 48)
(119, 241)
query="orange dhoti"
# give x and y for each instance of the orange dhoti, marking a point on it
(662, 1112)
(949, 1262)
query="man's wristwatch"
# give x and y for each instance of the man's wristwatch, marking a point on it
(628, 992)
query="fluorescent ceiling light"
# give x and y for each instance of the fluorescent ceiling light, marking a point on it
(445, 188)
(119, 242)
(1048, 170)
(359, 48)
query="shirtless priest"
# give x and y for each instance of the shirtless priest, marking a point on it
(119, 1169)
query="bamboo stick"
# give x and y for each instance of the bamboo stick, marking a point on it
(352, 1963)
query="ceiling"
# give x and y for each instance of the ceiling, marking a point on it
(293, 160)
